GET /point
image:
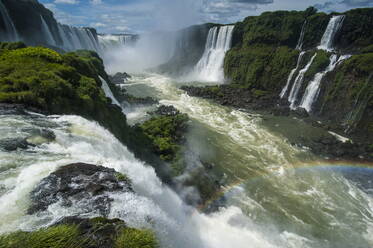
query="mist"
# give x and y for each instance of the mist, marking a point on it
(158, 45)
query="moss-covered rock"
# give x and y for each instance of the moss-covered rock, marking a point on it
(166, 134)
(347, 95)
(82, 233)
(262, 67)
(55, 83)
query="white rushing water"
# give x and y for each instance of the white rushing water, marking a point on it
(301, 37)
(280, 209)
(47, 33)
(291, 75)
(108, 92)
(79, 140)
(293, 96)
(115, 41)
(10, 33)
(313, 88)
(289, 207)
(332, 29)
(210, 66)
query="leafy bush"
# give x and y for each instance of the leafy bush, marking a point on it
(165, 132)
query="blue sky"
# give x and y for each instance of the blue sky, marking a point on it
(138, 16)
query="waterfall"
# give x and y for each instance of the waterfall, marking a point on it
(210, 66)
(291, 75)
(67, 45)
(10, 33)
(114, 41)
(47, 33)
(298, 83)
(108, 92)
(313, 88)
(333, 27)
(301, 37)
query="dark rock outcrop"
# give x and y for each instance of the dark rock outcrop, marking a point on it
(119, 78)
(84, 185)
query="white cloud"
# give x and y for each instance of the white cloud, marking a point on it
(66, 1)
(96, 2)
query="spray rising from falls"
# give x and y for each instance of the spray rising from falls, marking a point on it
(210, 66)
(10, 32)
(313, 88)
(332, 29)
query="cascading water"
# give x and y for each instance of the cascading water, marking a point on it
(301, 37)
(334, 25)
(47, 34)
(108, 92)
(291, 75)
(10, 33)
(114, 41)
(313, 88)
(293, 96)
(288, 206)
(210, 66)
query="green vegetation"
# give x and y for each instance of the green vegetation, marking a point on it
(134, 238)
(94, 233)
(319, 64)
(121, 177)
(261, 67)
(349, 98)
(166, 133)
(63, 236)
(42, 78)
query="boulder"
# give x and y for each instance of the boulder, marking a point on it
(85, 186)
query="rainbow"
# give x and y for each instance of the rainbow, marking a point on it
(319, 165)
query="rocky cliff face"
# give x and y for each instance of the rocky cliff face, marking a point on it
(41, 28)
(319, 62)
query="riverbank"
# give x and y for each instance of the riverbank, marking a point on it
(332, 146)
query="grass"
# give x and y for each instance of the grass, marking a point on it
(63, 236)
(134, 238)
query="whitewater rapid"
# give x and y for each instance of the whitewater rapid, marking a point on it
(268, 203)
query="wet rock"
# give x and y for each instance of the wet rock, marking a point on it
(84, 186)
(139, 100)
(17, 109)
(14, 144)
(167, 111)
(119, 78)
(300, 112)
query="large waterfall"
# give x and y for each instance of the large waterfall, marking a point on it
(10, 32)
(210, 66)
(115, 41)
(78, 38)
(332, 29)
(47, 33)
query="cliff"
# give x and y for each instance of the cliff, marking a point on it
(41, 28)
(270, 51)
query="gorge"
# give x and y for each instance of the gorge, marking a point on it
(250, 134)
